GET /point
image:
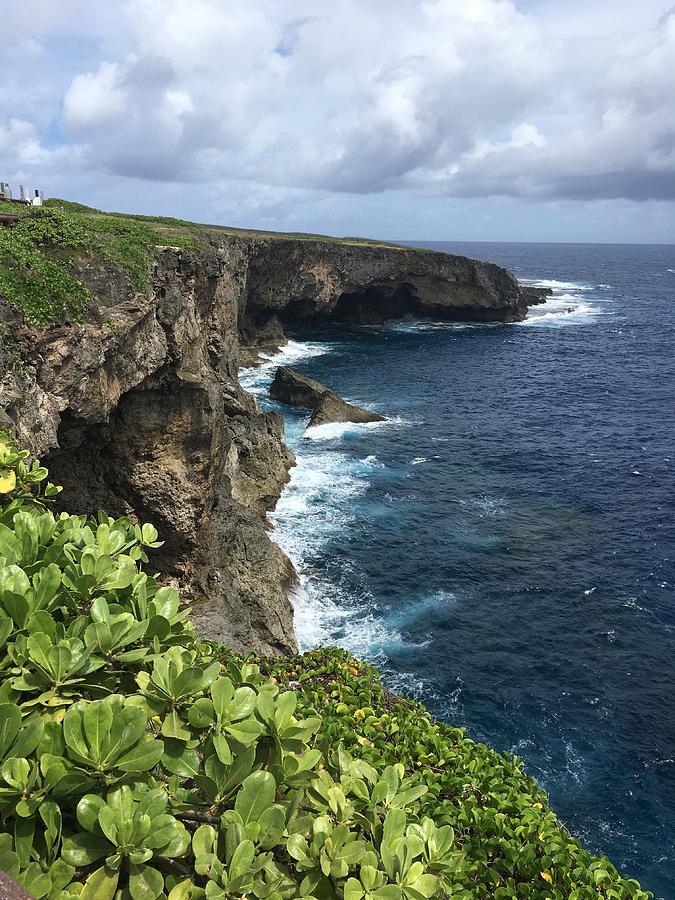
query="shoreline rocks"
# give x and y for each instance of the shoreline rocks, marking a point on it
(535, 295)
(297, 281)
(294, 389)
(137, 408)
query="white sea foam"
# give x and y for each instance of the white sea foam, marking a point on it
(487, 507)
(317, 502)
(256, 379)
(631, 603)
(323, 616)
(413, 326)
(561, 309)
(333, 431)
(574, 763)
(373, 461)
(557, 285)
(571, 303)
(408, 684)
(316, 507)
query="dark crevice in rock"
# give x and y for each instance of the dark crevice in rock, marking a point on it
(375, 304)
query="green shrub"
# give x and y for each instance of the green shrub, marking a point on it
(39, 254)
(32, 276)
(137, 760)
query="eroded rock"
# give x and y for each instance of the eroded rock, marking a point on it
(137, 409)
(333, 408)
(295, 389)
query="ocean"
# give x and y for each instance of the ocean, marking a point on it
(503, 547)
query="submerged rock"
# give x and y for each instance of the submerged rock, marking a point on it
(294, 389)
(333, 408)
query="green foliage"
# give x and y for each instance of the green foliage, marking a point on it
(512, 843)
(138, 761)
(40, 284)
(69, 205)
(38, 255)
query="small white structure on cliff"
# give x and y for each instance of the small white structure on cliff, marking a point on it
(24, 195)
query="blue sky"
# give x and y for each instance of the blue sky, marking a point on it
(410, 119)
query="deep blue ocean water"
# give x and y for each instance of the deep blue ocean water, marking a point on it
(503, 548)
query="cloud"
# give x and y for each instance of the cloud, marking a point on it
(20, 145)
(457, 98)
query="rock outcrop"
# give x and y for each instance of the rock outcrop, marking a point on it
(295, 389)
(296, 280)
(535, 295)
(137, 408)
(332, 408)
(138, 411)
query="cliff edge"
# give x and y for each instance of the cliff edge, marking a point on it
(135, 406)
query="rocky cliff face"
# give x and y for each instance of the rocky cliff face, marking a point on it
(137, 409)
(293, 281)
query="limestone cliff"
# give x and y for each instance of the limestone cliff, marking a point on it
(292, 281)
(138, 411)
(137, 408)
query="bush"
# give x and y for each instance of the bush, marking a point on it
(38, 255)
(137, 760)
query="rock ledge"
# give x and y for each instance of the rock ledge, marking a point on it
(294, 389)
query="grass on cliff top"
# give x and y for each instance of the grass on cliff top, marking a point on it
(139, 761)
(169, 224)
(39, 255)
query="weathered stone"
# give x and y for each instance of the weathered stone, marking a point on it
(12, 890)
(333, 408)
(137, 409)
(294, 389)
(359, 283)
(535, 295)
(264, 336)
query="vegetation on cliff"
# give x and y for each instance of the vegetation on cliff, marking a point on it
(137, 760)
(40, 255)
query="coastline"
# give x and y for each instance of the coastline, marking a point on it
(313, 610)
(352, 473)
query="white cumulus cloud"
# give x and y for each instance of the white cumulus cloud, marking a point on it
(455, 98)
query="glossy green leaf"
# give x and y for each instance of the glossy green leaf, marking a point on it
(83, 849)
(256, 794)
(145, 882)
(100, 885)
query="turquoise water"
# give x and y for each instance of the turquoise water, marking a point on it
(502, 548)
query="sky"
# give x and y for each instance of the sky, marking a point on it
(494, 120)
